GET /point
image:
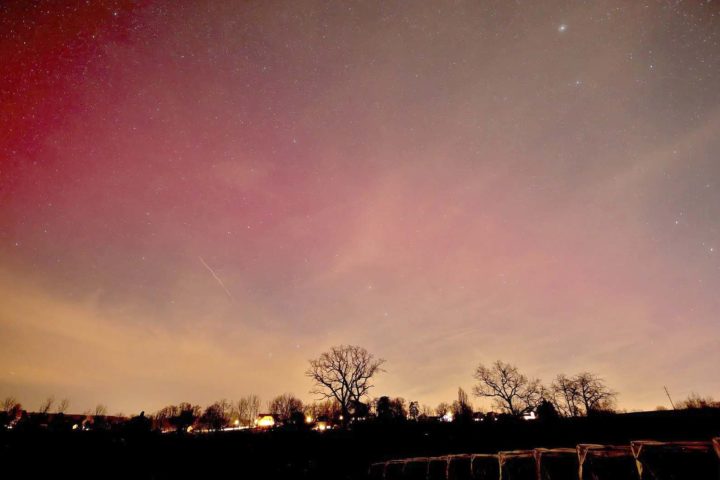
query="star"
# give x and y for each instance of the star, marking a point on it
(562, 28)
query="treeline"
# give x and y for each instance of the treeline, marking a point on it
(285, 409)
(342, 378)
(52, 415)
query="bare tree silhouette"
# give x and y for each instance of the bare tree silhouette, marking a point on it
(9, 403)
(581, 394)
(443, 408)
(413, 410)
(695, 401)
(216, 416)
(186, 416)
(62, 406)
(593, 393)
(328, 409)
(462, 409)
(285, 407)
(565, 396)
(46, 405)
(11, 409)
(248, 408)
(344, 373)
(511, 390)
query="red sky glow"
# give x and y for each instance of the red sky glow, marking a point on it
(198, 197)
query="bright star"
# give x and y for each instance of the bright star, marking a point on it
(562, 28)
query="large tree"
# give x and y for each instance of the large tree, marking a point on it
(511, 390)
(344, 373)
(581, 394)
(390, 409)
(248, 408)
(185, 416)
(564, 392)
(178, 417)
(216, 416)
(413, 410)
(462, 409)
(162, 418)
(286, 407)
(443, 409)
(594, 394)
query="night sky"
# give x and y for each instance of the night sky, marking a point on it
(196, 197)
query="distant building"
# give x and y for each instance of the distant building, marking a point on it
(322, 425)
(265, 420)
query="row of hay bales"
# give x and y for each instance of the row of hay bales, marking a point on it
(641, 460)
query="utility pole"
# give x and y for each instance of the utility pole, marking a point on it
(668, 395)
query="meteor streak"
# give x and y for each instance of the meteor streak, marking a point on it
(216, 277)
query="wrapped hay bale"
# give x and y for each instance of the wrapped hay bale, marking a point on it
(415, 469)
(556, 463)
(606, 462)
(376, 471)
(437, 468)
(394, 470)
(675, 460)
(517, 465)
(458, 467)
(484, 467)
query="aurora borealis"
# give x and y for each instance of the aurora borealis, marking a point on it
(196, 197)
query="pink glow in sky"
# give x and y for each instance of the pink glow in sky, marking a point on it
(198, 197)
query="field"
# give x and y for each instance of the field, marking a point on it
(301, 454)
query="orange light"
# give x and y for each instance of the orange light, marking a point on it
(322, 426)
(266, 422)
